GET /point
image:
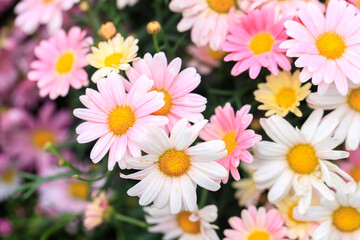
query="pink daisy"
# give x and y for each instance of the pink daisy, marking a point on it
(352, 165)
(175, 85)
(256, 224)
(231, 128)
(60, 63)
(32, 13)
(117, 118)
(254, 42)
(327, 46)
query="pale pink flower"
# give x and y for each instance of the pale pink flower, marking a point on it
(356, 3)
(25, 95)
(97, 211)
(60, 63)
(175, 85)
(254, 42)
(327, 46)
(117, 118)
(8, 71)
(204, 59)
(231, 128)
(256, 224)
(352, 165)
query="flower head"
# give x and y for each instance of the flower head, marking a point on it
(97, 211)
(6, 227)
(107, 30)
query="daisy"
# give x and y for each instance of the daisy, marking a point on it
(9, 178)
(121, 4)
(112, 55)
(175, 85)
(185, 225)
(352, 165)
(326, 46)
(60, 62)
(282, 94)
(346, 108)
(255, 47)
(208, 20)
(32, 13)
(172, 169)
(97, 211)
(117, 118)
(256, 224)
(296, 160)
(340, 217)
(204, 59)
(231, 128)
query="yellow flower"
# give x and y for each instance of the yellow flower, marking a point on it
(282, 94)
(112, 55)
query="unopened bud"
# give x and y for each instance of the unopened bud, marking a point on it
(84, 6)
(107, 31)
(153, 27)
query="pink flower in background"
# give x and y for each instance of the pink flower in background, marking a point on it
(6, 227)
(326, 46)
(356, 3)
(5, 4)
(60, 63)
(175, 85)
(231, 128)
(98, 211)
(8, 72)
(25, 95)
(352, 165)
(117, 118)
(254, 42)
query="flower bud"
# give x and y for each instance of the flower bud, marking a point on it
(97, 212)
(84, 6)
(107, 31)
(153, 27)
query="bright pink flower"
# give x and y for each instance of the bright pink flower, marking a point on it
(6, 227)
(60, 63)
(254, 42)
(256, 224)
(175, 85)
(231, 128)
(117, 118)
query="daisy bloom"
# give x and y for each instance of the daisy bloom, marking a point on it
(346, 108)
(117, 118)
(97, 211)
(176, 86)
(172, 169)
(282, 94)
(123, 3)
(352, 165)
(231, 128)
(254, 41)
(112, 55)
(185, 225)
(340, 217)
(32, 13)
(296, 160)
(60, 62)
(208, 20)
(256, 224)
(326, 46)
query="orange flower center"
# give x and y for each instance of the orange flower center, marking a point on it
(40, 137)
(8, 176)
(79, 190)
(121, 119)
(217, 55)
(302, 159)
(65, 63)
(230, 141)
(355, 173)
(346, 219)
(113, 60)
(354, 99)
(261, 43)
(165, 110)
(258, 235)
(330, 45)
(174, 163)
(221, 6)
(187, 225)
(285, 98)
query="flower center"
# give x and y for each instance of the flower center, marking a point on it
(41, 137)
(346, 219)
(261, 43)
(165, 110)
(217, 55)
(285, 97)
(230, 141)
(355, 173)
(302, 159)
(221, 6)
(258, 235)
(113, 60)
(47, 1)
(65, 63)
(354, 99)
(291, 214)
(8, 176)
(174, 163)
(79, 190)
(121, 119)
(187, 225)
(330, 45)
(358, 4)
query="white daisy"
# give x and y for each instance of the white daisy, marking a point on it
(9, 182)
(296, 160)
(346, 108)
(172, 169)
(340, 217)
(123, 3)
(185, 225)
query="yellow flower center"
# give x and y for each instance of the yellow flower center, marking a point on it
(121, 119)
(302, 159)
(187, 225)
(79, 190)
(113, 60)
(261, 43)
(8, 176)
(355, 173)
(346, 219)
(230, 141)
(174, 163)
(217, 55)
(47, 1)
(65, 63)
(285, 98)
(358, 4)
(291, 213)
(165, 110)
(354, 99)
(41, 137)
(258, 235)
(330, 45)
(221, 6)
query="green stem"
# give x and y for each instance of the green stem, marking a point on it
(49, 147)
(91, 180)
(203, 197)
(156, 44)
(123, 218)
(236, 4)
